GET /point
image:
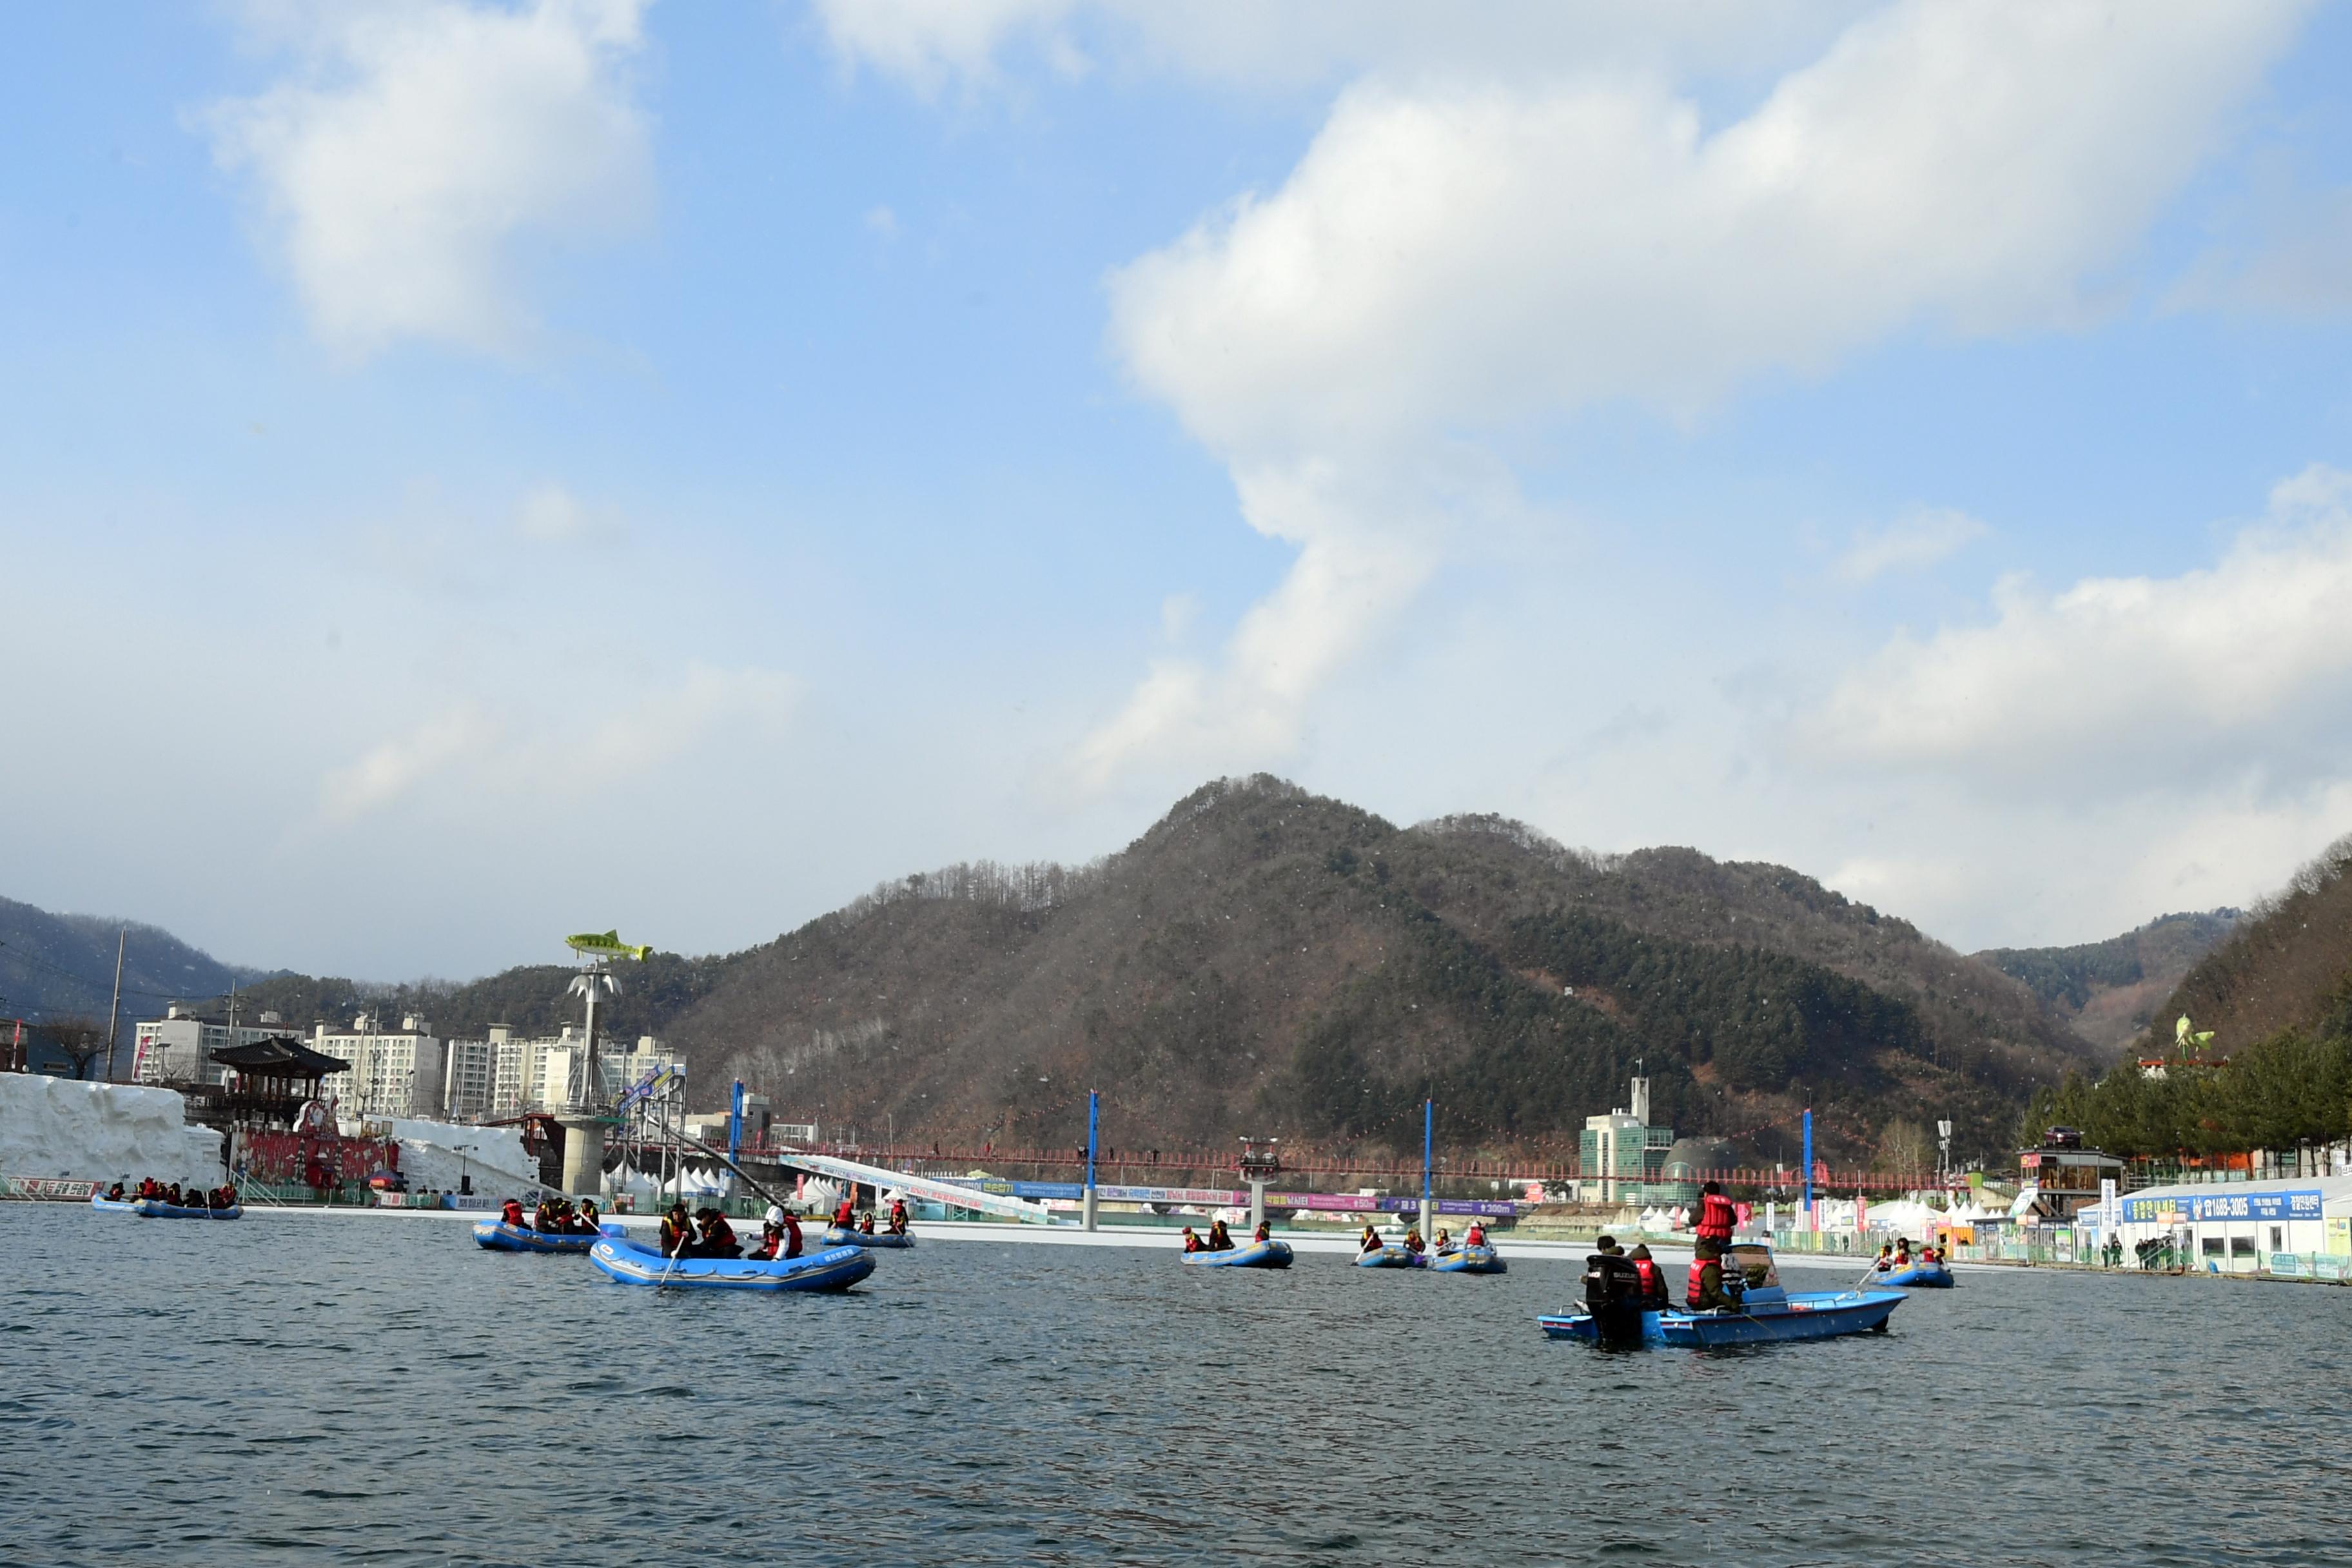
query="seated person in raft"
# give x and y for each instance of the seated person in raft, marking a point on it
(114, 1194)
(866, 1224)
(676, 1231)
(897, 1216)
(1444, 1241)
(1193, 1242)
(1412, 1242)
(844, 1214)
(1371, 1241)
(1706, 1291)
(1477, 1237)
(1264, 1232)
(718, 1237)
(1218, 1239)
(587, 1222)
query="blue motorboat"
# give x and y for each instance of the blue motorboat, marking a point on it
(634, 1263)
(1481, 1259)
(1917, 1276)
(1266, 1254)
(498, 1236)
(1393, 1257)
(836, 1236)
(1766, 1311)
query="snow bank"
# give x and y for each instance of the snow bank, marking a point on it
(440, 1154)
(101, 1132)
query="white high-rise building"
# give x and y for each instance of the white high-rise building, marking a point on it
(511, 1075)
(394, 1072)
(178, 1047)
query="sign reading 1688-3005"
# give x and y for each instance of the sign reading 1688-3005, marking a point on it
(2221, 1204)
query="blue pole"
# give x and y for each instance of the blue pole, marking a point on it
(735, 1123)
(1094, 1116)
(1428, 1140)
(1809, 1165)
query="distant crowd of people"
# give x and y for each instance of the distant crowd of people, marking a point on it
(1893, 1256)
(554, 1216)
(149, 1190)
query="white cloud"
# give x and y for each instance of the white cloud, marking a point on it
(412, 146)
(571, 754)
(2296, 262)
(550, 514)
(1918, 538)
(1462, 255)
(2162, 682)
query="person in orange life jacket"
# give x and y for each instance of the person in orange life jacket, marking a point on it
(1653, 1278)
(897, 1216)
(844, 1214)
(511, 1213)
(1220, 1240)
(1717, 1217)
(1705, 1292)
(1192, 1241)
(1264, 1231)
(1476, 1235)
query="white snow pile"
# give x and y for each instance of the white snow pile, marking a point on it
(101, 1132)
(440, 1154)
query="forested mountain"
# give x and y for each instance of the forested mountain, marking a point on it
(2109, 991)
(2286, 965)
(63, 966)
(1269, 962)
(2276, 1072)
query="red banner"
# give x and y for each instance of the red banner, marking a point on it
(280, 1157)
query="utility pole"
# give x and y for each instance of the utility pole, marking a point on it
(114, 1009)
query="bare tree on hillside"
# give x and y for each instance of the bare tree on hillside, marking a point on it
(82, 1039)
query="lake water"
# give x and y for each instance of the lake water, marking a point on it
(308, 1389)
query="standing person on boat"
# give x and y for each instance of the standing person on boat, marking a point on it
(1705, 1292)
(1371, 1239)
(897, 1216)
(845, 1213)
(1717, 1217)
(791, 1227)
(1220, 1240)
(1652, 1277)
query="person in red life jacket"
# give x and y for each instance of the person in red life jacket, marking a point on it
(718, 1239)
(1444, 1243)
(1412, 1242)
(866, 1224)
(114, 1194)
(1902, 1252)
(1192, 1241)
(1264, 1231)
(1652, 1277)
(1476, 1237)
(511, 1213)
(1369, 1241)
(897, 1216)
(1706, 1290)
(1220, 1239)
(792, 1235)
(1717, 1217)
(844, 1214)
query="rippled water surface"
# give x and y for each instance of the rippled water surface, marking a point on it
(375, 1389)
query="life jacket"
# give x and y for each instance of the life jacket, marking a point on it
(1652, 1282)
(845, 1216)
(792, 1242)
(512, 1212)
(1477, 1237)
(1192, 1243)
(898, 1217)
(1697, 1293)
(865, 1227)
(1263, 1231)
(1717, 1217)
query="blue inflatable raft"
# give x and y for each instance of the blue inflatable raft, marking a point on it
(1766, 1313)
(1393, 1257)
(498, 1236)
(1918, 1277)
(1469, 1260)
(1266, 1254)
(634, 1263)
(836, 1236)
(153, 1208)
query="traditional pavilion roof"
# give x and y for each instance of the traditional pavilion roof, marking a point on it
(285, 1058)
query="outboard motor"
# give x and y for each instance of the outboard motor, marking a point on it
(1612, 1295)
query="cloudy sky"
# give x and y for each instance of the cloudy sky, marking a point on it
(470, 472)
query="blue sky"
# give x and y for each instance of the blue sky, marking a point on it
(473, 472)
